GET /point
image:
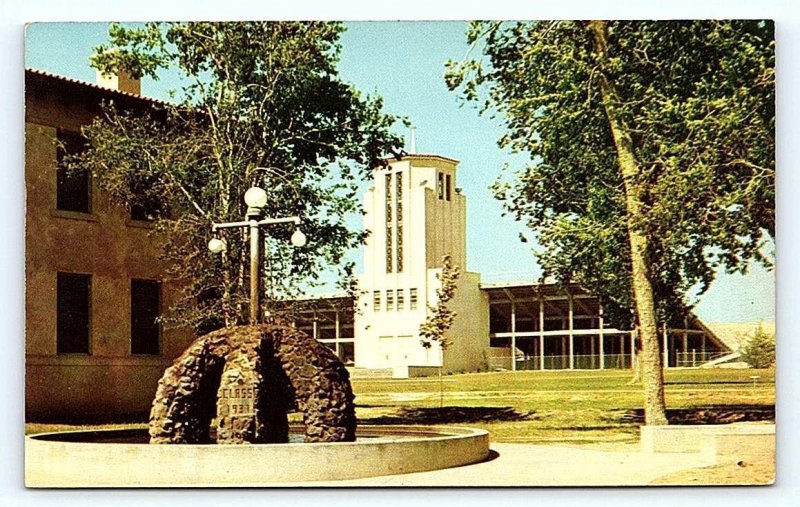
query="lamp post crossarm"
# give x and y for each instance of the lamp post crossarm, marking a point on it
(285, 220)
(246, 223)
(229, 225)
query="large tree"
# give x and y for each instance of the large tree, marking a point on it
(260, 104)
(652, 156)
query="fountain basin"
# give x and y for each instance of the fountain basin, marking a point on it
(114, 458)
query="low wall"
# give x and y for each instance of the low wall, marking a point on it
(58, 460)
(498, 358)
(422, 371)
(722, 441)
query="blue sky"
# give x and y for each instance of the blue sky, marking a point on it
(403, 62)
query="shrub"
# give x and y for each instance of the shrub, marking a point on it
(759, 351)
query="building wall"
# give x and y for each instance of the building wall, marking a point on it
(110, 247)
(432, 228)
(470, 331)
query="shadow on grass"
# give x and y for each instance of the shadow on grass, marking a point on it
(748, 382)
(451, 415)
(599, 427)
(712, 414)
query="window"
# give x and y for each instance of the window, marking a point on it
(145, 310)
(389, 223)
(390, 299)
(147, 205)
(376, 300)
(73, 187)
(398, 196)
(347, 353)
(440, 186)
(500, 342)
(401, 299)
(447, 185)
(145, 211)
(412, 301)
(73, 310)
(326, 331)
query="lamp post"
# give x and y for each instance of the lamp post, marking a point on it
(256, 199)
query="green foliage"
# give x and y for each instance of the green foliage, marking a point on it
(698, 100)
(759, 351)
(440, 317)
(261, 104)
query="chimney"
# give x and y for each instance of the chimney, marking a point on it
(121, 81)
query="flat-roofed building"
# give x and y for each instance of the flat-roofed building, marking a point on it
(548, 326)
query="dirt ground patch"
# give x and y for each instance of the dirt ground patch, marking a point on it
(757, 471)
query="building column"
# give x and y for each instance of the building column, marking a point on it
(685, 338)
(703, 347)
(633, 349)
(513, 336)
(602, 344)
(665, 335)
(338, 333)
(571, 337)
(314, 326)
(541, 333)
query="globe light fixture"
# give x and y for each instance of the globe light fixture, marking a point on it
(298, 238)
(217, 245)
(256, 200)
(255, 197)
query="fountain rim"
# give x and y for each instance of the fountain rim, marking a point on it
(411, 433)
(63, 463)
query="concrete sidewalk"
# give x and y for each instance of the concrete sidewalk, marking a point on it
(546, 465)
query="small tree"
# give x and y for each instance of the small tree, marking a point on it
(440, 317)
(759, 351)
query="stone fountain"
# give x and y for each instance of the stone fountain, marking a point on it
(249, 377)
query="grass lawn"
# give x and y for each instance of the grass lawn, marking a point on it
(577, 407)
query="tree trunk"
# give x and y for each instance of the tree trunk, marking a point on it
(651, 369)
(441, 388)
(637, 362)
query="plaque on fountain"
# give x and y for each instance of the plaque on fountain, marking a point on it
(236, 402)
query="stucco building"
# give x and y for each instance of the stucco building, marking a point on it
(94, 282)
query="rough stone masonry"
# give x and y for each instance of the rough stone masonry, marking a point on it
(249, 377)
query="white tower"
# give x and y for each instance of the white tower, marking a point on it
(415, 216)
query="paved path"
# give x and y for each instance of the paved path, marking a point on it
(546, 465)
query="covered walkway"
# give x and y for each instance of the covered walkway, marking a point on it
(549, 327)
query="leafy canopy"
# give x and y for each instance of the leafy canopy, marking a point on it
(698, 98)
(261, 104)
